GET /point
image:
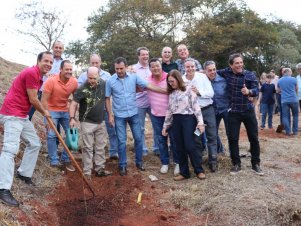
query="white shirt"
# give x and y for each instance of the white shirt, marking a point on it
(203, 85)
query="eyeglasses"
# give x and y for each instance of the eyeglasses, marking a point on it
(171, 81)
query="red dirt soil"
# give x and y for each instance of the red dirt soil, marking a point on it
(115, 203)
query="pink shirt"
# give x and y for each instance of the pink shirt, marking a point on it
(158, 101)
(141, 97)
(16, 102)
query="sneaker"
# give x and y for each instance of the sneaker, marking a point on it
(164, 169)
(114, 158)
(7, 198)
(235, 169)
(69, 166)
(213, 167)
(57, 166)
(27, 180)
(103, 173)
(256, 168)
(176, 170)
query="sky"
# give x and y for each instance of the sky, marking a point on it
(19, 49)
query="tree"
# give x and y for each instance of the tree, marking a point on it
(123, 26)
(43, 26)
(288, 50)
(232, 29)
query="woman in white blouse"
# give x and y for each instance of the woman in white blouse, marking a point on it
(184, 114)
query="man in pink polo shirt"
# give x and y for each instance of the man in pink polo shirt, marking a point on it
(159, 105)
(14, 117)
(56, 92)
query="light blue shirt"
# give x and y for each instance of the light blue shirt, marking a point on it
(287, 85)
(56, 66)
(123, 92)
(299, 86)
(221, 98)
(104, 75)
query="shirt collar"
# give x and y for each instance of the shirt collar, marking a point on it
(139, 66)
(163, 77)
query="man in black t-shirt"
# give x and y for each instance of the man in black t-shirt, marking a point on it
(91, 99)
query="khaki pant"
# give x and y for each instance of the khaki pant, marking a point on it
(94, 139)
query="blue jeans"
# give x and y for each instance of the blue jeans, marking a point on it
(163, 144)
(58, 118)
(248, 118)
(267, 109)
(113, 150)
(142, 114)
(183, 128)
(32, 109)
(225, 116)
(286, 109)
(120, 126)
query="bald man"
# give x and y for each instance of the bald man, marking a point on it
(91, 99)
(95, 60)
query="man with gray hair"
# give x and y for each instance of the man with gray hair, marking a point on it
(95, 60)
(298, 77)
(220, 100)
(289, 101)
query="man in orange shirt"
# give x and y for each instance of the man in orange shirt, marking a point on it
(56, 92)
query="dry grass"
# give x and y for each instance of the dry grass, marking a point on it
(248, 199)
(8, 70)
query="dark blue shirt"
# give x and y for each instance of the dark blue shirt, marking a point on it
(235, 82)
(168, 67)
(268, 91)
(220, 99)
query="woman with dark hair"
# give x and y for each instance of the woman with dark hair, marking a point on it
(184, 114)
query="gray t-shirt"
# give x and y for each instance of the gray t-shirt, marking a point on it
(91, 102)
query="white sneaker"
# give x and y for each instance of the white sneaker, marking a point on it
(176, 170)
(164, 169)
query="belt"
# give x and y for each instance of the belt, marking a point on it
(206, 107)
